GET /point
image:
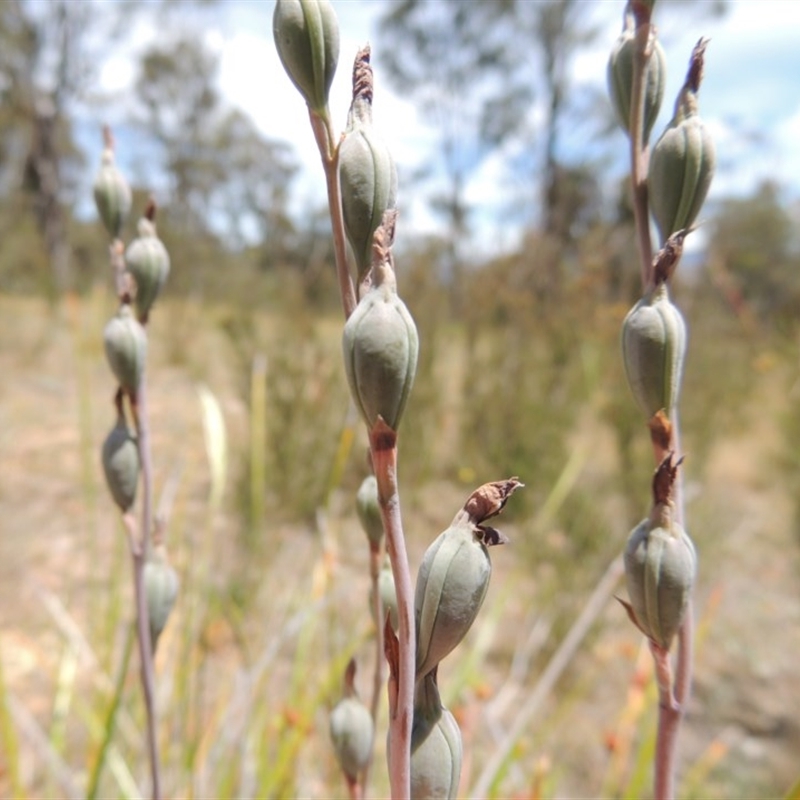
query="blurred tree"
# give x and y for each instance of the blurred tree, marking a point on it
(227, 178)
(754, 256)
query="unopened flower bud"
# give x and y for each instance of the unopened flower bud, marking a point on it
(454, 576)
(683, 160)
(125, 344)
(369, 510)
(660, 568)
(351, 729)
(380, 347)
(161, 588)
(388, 595)
(436, 746)
(148, 261)
(120, 456)
(653, 350)
(307, 39)
(112, 195)
(620, 79)
(366, 168)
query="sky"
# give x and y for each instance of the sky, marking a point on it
(750, 97)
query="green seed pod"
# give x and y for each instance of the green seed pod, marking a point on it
(148, 261)
(366, 169)
(306, 36)
(620, 79)
(112, 195)
(126, 348)
(660, 567)
(380, 347)
(436, 746)
(161, 588)
(388, 594)
(653, 349)
(120, 456)
(451, 585)
(351, 729)
(369, 510)
(683, 160)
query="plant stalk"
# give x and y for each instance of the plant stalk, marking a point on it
(673, 695)
(329, 152)
(383, 447)
(139, 550)
(377, 676)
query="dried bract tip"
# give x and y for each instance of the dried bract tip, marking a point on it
(362, 76)
(490, 499)
(664, 479)
(306, 36)
(667, 258)
(694, 76)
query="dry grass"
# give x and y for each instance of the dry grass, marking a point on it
(251, 660)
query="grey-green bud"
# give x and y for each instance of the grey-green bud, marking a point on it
(306, 36)
(366, 169)
(380, 347)
(369, 510)
(351, 729)
(161, 588)
(120, 456)
(148, 261)
(683, 160)
(388, 595)
(451, 585)
(436, 746)
(125, 344)
(653, 350)
(112, 195)
(620, 79)
(660, 567)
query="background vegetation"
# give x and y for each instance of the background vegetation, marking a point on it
(519, 374)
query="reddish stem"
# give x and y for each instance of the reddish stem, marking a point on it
(383, 447)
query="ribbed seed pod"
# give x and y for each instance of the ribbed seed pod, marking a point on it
(380, 347)
(161, 587)
(120, 456)
(451, 585)
(306, 36)
(620, 79)
(369, 510)
(653, 350)
(125, 344)
(148, 261)
(683, 160)
(351, 729)
(388, 593)
(660, 568)
(112, 195)
(436, 746)
(366, 169)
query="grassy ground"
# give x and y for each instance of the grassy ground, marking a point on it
(273, 599)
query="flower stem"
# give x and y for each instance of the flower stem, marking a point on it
(329, 152)
(139, 550)
(383, 447)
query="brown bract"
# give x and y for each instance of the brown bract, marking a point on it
(490, 499)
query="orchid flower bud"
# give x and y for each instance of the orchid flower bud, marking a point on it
(148, 261)
(161, 588)
(125, 343)
(120, 456)
(306, 36)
